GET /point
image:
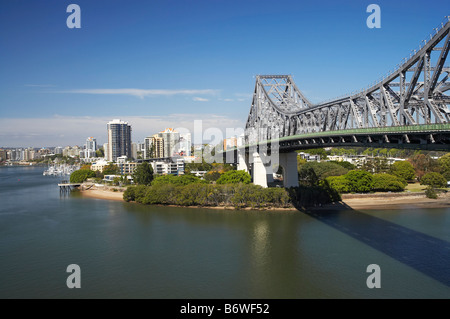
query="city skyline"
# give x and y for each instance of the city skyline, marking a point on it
(158, 65)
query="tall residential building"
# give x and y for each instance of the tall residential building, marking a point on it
(185, 144)
(106, 151)
(157, 147)
(171, 141)
(91, 144)
(148, 143)
(119, 139)
(134, 150)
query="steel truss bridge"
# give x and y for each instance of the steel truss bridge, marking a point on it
(408, 108)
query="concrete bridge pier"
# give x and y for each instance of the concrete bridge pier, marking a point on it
(288, 161)
(259, 172)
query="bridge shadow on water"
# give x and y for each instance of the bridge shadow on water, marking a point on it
(424, 253)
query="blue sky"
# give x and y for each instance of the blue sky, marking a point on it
(168, 63)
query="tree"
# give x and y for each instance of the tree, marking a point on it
(308, 177)
(403, 169)
(79, 176)
(376, 165)
(434, 179)
(344, 164)
(176, 180)
(387, 182)
(423, 164)
(339, 183)
(359, 181)
(111, 169)
(86, 166)
(143, 174)
(444, 162)
(324, 169)
(212, 176)
(234, 177)
(430, 192)
(100, 152)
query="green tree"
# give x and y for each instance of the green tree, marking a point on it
(100, 152)
(143, 174)
(434, 180)
(111, 169)
(403, 169)
(307, 176)
(344, 164)
(324, 169)
(212, 176)
(430, 192)
(339, 183)
(79, 176)
(444, 163)
(387, 183)
(359, 181)
(176, 180)
(234, 177)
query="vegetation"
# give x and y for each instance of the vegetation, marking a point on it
(235, 177)
(388, 183)
(322, 169)
(100, 152)
(143, 174)
(359, 181)
(202, 194)
(423, 164)
(176, 180)
(79, 176)
(212, 176)
(403, 170)
(430, 192)
(434, 179)
(344, 164)
(444, 163)
(111, 169)
(376, 165)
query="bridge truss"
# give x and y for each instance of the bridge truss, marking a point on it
(414, 95)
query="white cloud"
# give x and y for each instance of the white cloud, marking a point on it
(141, 93)
(200, 99)
(228, 100)
(66, 130)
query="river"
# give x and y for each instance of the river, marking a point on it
(128, 250)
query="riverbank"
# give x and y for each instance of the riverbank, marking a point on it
(377, 201)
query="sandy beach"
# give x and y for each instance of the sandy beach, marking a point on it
(352, 201)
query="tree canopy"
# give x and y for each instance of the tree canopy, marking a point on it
(403, 169)
(143, 174)
(234, 177)
(433, 179)
(444, 162)
(79, 176)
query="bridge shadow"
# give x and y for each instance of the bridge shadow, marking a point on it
(424, 253)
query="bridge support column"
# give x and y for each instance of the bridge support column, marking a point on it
(242, 162)
(259, 173)
(290, 172)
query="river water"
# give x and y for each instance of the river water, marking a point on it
(128, 250)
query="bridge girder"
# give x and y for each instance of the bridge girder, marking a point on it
(413, 94)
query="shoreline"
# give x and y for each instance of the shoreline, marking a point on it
(379, 201)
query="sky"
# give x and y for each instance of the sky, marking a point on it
(159, 64)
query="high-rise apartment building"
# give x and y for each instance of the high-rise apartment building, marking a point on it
(184, 148)
(91, 144)
(171, 140)
(119, 139)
